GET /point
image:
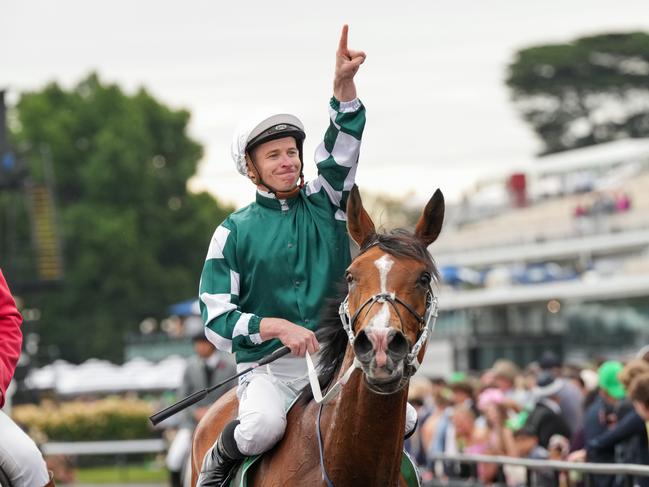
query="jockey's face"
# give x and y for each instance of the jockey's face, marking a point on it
(278, 162)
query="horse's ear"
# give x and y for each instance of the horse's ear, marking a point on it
(359, 223)
(430, 221)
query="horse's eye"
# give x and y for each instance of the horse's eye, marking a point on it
(349, 277)
(425, 279)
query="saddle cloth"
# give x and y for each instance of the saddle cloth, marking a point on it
(408, 470)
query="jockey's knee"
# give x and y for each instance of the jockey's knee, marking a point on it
(259, 431)
(411, 418)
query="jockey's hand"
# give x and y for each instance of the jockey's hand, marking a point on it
(347, 64)
(299, 339)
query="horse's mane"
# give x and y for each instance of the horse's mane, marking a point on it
(331, 334)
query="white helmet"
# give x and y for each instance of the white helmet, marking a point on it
(270, 128)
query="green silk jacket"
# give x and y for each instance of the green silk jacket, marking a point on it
(283, 258)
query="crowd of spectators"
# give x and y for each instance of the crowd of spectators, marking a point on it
(604, 204)
(546, 411)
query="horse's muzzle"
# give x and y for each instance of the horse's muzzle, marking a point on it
(382, 352)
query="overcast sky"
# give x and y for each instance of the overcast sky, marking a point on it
(439, 114)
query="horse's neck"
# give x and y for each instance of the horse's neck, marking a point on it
(363, 434)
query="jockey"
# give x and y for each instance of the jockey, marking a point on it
(271, 265)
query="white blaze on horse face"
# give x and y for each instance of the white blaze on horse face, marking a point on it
(384, 264)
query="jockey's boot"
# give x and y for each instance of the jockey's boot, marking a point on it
(220, 460)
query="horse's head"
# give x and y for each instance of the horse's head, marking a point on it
(390, 300)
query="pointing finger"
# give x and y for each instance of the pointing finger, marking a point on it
(342, 45)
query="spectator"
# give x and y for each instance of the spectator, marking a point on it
(207, 368)
(586, 382)
(545, 419)
(631, 370)
(461, 396)
(580, 210)
(643, 353)
(558, 449)
(504, 373)
(527, 445)
(622, 202)
(462, 391)
(639, 394)
(437, 421)
(499, 438)
(467, 438)
(601, 416)
(569, 397)
(628, 436)
(420, 396)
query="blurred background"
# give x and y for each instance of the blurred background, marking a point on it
(115, 124)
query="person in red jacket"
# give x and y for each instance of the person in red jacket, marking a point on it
(20, 459)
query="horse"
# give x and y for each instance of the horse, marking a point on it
(355, 439)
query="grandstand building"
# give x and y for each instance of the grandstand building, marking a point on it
(563, 267)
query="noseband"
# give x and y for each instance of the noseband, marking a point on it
(426, 321)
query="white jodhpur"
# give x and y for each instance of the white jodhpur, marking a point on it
(264, 398)
(411, 418)
(20, 459)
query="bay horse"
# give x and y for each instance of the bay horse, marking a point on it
(384, 329)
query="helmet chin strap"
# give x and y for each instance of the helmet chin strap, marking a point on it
(280, 195)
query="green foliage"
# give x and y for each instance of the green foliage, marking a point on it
(592, 90)
(134, 238)
(107, 419)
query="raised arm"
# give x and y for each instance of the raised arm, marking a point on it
(347, 64)
(337, 155)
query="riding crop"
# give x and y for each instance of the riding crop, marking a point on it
(198, 395)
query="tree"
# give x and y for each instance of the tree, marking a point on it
(592, 90)
(134, 237)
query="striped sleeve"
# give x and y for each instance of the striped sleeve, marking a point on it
(337, 155)
(226, 326)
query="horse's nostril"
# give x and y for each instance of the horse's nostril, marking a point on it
(362, 346)
(398, 346)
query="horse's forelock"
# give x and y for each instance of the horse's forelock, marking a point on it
(401, 243)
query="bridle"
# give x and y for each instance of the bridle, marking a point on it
(426, 326)
(426, 321)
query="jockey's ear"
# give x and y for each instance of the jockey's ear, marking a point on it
(359, 223)
(251, 170)
(430, 222)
